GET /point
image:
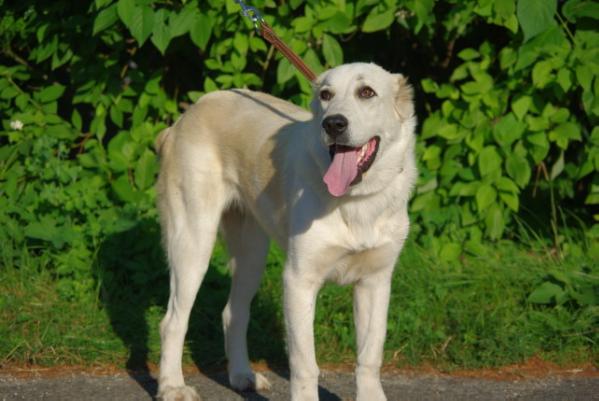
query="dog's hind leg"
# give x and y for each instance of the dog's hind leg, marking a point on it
(248, 246)
(190, 216)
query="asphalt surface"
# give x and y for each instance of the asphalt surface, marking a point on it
(334, 387)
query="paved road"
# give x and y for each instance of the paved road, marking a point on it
(334, 387)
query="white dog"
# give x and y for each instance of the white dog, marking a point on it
(331, 187)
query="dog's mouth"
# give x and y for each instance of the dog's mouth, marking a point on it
(348, 164)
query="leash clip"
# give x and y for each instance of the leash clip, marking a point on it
(251, 13)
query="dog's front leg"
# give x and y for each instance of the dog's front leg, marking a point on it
(371, 302)
(299, 303)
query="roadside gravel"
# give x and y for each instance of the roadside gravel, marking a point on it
(334, 387)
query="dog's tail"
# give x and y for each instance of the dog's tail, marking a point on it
(161, 140)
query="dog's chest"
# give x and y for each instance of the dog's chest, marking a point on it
(365, 248)
(353, 266)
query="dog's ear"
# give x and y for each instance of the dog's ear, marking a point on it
(404, 97)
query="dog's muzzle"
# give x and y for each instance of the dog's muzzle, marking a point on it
(335, 125)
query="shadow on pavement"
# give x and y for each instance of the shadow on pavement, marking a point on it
(131, 272)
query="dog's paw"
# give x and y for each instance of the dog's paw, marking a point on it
(249, 381)
(373, 392)
(182, 393)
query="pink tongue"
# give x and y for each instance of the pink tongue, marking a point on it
(342, 171)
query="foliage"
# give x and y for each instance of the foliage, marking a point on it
(514, 122)
(451, 316)
(507, 92)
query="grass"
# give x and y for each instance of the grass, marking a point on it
(469, 314)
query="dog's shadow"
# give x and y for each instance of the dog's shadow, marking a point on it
(131, 273)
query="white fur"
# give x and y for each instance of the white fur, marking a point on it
(254, 165)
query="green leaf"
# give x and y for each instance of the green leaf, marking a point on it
(504, 184)
(231, 6)
(510, 199)
(536, 16)
(302, 24)
(311, 58)
(584, 76)
(521, 105)
(468, 54)
(202, 30)
(105, 19)
(124, 190)
(449, 132)
(116, 116)
(424, 12)
(238, 63)
(517, 167)
(145, 170)
(142, 133)
(102, 3)
(540, 147)
(429, 85)
(340, 22)
(142, 23)
(76, 119)
(285, 71)
(378, 20)
(209, 85)
(489, 161)
(464, 188)
(241, 43)
(450, 252)
(295, 3)
(125, 11)
(483, 83)
(564, 79)
(333, 54)
(546, 293)
(44, 230)
(494, 222)
(194, 96)
(431, 185)
(431, 125)
(432, 157)
(541, 74)
(557, 167)
(507, 130)
(575, 9)
(8, 93)
(587, 296)
(182, 22)
(61, 131)
(257, 44)
(505, 8)
(485, 196)
(564, 133)
(160, 34)
(51, 93)
(121, 151)
(426, 201)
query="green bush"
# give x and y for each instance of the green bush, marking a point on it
(515, 121)
(507, 92)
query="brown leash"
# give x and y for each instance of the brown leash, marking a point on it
(270, 36)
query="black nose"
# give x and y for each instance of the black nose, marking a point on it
(335, 125)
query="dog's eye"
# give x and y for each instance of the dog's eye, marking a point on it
(366, 92)
(326, 95)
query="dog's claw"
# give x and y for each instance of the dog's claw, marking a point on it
(250, 382)
(183, 393)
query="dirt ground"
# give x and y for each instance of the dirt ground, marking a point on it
(533, 381)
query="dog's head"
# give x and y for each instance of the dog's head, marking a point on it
(366, 117)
